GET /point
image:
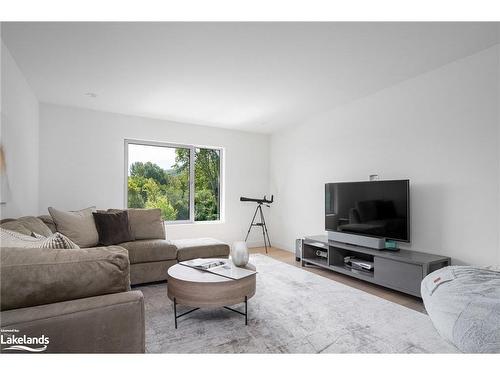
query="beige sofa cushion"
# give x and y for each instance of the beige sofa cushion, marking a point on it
(200, 248)
(78, 226)
(35, 225)
(27, 225)
(146, 223)
(112, 323)
(15, 226)
(32, 277)
(142, 251)
(49, 222)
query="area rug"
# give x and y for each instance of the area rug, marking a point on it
(293, 311)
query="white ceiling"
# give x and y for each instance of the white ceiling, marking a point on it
(250, 76)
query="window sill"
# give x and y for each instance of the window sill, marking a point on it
(172, 223)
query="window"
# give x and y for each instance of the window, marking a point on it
(183, 181)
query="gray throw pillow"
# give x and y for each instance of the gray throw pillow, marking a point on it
(146, 224)
(78, 226)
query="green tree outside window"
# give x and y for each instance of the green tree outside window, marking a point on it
(151, 186)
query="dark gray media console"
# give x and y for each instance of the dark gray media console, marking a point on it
(402, 270)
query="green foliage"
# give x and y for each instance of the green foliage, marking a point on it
(149, 170)
(205, 206)
(150, 186)
(207, 177)
(135, 199)
(167, 211)
(181, 160)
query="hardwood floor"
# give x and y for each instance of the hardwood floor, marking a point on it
(379, 291)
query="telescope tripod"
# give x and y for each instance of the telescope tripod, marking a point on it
(261, 224)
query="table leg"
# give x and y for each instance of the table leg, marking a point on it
(175, 312)
(184, 313)
(245, 314)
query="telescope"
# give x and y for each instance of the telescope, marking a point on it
(258, 200)
(262, 222)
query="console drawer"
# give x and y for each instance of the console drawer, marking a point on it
(405, 277)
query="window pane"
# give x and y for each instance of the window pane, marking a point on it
(207, 184)
(158, 177)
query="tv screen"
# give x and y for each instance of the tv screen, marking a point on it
(369, 208)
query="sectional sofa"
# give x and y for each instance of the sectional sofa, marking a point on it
(82, 298)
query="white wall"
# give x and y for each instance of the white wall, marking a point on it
(19, 136)
(439, 129)
(82, 164)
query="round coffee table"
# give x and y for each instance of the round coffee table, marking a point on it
(194, 288)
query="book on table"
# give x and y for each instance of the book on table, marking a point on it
(221, 267)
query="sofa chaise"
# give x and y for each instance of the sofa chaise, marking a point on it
(149, 258)
(82, 298)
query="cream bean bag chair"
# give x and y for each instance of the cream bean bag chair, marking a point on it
(463, 303)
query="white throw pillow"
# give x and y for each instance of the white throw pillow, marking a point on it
(57, 240)
(10, 238)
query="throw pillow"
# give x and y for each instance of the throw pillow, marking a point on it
(55, 241)
(10, 238)
(35, 224)
(49, 222)
(15, 226)
(113, 227)
(79, 226)
(146, 224)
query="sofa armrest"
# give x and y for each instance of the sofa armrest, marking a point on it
(112, 323)
(32, 277)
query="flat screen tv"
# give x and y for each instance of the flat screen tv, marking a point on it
(370, 208)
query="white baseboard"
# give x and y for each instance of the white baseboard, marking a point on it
(255, 244)
(275, 245)
(283, 247)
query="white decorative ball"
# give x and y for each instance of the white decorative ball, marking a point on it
(239, 254)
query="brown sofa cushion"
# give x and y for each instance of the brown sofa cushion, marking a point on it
(142, 251)
(79, 226)
(113, 227)
(32, 277)
(200, 248)
(146, 223)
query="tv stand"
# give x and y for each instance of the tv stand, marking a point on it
(401, 270)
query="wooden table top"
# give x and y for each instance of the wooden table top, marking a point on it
(190, 274)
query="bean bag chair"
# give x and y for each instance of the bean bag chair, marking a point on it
(463, 303)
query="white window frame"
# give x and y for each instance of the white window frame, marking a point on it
(192, 152)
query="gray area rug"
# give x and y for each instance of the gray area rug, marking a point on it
(293, 311)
